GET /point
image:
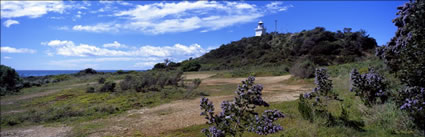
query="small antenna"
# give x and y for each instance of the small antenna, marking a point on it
(275, 25)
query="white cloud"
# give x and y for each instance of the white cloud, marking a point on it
(10, 22)
(15, 50)
(277, 6)
(115, 44)
(32, 9)
(162, 17)
(55, 43)
(101, 27)
(80, 63)
(68, 48)
(7, 57)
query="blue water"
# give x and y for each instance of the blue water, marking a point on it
(26, 73)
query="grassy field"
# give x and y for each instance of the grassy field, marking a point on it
(69, 104)
(383, 120)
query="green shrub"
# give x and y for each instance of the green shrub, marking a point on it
(190, 65)
(108, 87)
(101, 80)
(196, 82)
(91, 90)
(10, 82)
(303, 69)
(305, 109)
(87, 71)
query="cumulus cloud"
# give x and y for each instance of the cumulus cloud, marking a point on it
(32, 9)
(15, 50)
(162, 17)
(10, 22)
(7, 57)
(115, 44)
(68, 48)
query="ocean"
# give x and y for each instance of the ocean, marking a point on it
(27, 73)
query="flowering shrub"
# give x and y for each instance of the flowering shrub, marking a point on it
(239, 116)
(369, 87)
(321, 94)
(414, 103)
(405, 55)
(315, 103)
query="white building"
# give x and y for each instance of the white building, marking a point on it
(260, 30)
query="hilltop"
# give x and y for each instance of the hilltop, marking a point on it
(319, 45)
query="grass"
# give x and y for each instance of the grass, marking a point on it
(72, 104)
(257, 71)
(380, 120)
(75, 107)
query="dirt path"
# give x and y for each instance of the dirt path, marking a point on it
(37, 94)
(37, 131)
(184, 113)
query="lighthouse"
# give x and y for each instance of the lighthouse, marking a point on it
(260, 30)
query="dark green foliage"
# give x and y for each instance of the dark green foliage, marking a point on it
(320, 46)
(87, 71)
(101, 80)
(196, 82)
(190, 65)
(10, 82)
(166, 65)
(305, 109)
(91, 90)
(120, 72)
(108, 87)
(303, 69)
(151, 80)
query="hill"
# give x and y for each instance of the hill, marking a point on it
(319, 45)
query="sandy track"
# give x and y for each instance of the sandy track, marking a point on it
(184, 113)
(38, 94)
(37, 131)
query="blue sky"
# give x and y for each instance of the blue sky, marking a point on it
(134, 35)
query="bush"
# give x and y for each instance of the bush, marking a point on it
(315, 104)
(91, 90)
(119, 72)
(404, 55)
(10, 82)
(87, 71)
(240, 116)
(303, 69)
(369, 87)
(108, 87)
(196, 82)
(190, 65)
(127, 83)
(151, 80)
(101, 80)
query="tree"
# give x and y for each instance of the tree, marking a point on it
(10, 82)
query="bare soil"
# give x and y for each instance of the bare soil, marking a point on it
(37, 131)
(163, 118)
(184, 113)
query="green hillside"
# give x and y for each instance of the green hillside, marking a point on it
(319, 45)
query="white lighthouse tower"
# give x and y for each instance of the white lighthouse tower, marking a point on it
(260, 30)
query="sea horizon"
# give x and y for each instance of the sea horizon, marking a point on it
(27, 73)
